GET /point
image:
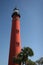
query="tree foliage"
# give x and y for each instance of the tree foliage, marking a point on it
(30, 62)
(22, 57)
(40, 61)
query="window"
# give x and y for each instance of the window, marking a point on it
(17, 43)
(17, 31)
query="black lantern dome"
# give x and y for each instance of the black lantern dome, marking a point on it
(16, 12)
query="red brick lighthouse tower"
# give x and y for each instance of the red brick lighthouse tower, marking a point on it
(15, 46)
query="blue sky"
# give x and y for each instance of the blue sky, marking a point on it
(31, 23)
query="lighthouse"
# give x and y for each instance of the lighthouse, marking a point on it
(15, 43)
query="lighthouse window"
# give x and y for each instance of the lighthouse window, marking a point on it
(17, 43)
(17, 31)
